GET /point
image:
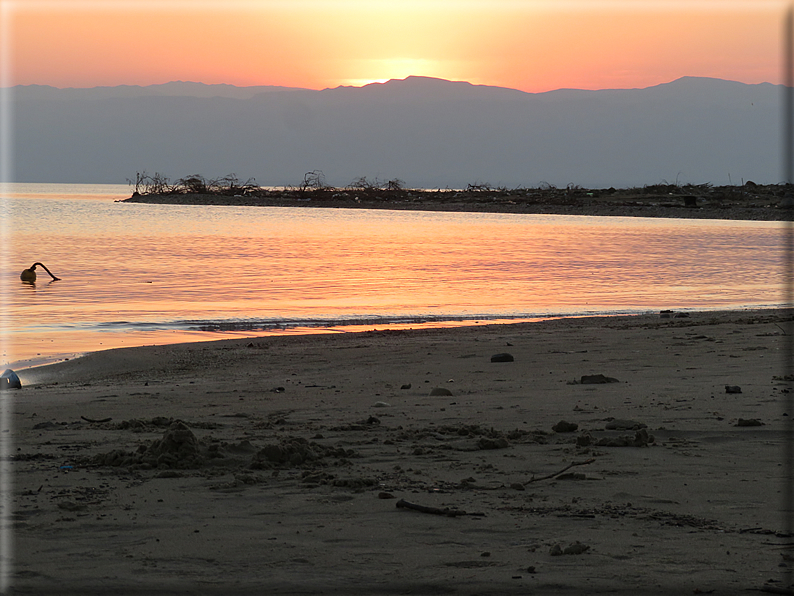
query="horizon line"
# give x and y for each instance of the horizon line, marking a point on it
(380, 83)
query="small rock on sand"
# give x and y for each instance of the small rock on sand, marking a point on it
(749, 422)
(10, 380)
(597, 380)
(504, 357)
(622, 424)
(565, 427)
(577, 548)
(640, 439)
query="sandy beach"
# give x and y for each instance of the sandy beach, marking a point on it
(412, 462)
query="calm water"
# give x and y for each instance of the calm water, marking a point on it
(136, 274)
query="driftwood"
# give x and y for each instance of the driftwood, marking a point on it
(568, 467)
(92, 421)
(403, 504)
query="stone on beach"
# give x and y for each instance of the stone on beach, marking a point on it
(440, 391)
(10, 380)
(597, 380)
(565, 427)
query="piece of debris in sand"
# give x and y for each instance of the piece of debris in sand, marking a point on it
(594, 380)
(749, 422)
(10, 380)
(565, 427)
(403, 504)
(577, 548)
(440, 391)
(640, 439)
(503, 357)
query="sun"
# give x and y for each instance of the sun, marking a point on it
(362, 82)
(385, 69)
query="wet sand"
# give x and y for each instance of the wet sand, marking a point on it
(276, 465)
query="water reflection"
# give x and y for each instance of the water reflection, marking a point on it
(133, 269)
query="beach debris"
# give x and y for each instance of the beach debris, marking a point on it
(364, 424)
(584, 440)
(492, 443)
(381, 404)
(565, 469)
(572, 476)
(71, 506)
(577, 548)
(440, 391)
(406, 386)
(294, 452)
(356, 483)
(623, 424)
(565, 427)
(155, 424)
(596, 380)
(503, 357)
(93, 421)
(177, 449)
(733, 389)
(10, 380)
(29, 275)
(749, 422)
(168, 474)
(403, 504)
(178, 446)
(640, 439)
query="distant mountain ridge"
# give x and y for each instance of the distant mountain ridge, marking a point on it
(428, 132)
(172, 89)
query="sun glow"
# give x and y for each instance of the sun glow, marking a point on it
(383, 70)
(532, 46)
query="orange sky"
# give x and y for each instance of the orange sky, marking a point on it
(529, 45)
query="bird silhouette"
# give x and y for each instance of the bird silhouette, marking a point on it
(29, 275)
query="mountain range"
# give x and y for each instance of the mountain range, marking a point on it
(427, 132)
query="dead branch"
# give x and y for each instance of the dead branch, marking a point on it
(568, 467)
(403, 504)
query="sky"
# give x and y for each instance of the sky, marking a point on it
(529, 45)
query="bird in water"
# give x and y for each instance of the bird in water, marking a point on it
(29, 275)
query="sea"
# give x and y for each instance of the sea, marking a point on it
(135, 274)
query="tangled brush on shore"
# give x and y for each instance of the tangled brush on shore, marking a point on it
(747, 201)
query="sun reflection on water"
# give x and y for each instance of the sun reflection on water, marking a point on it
(134, 274)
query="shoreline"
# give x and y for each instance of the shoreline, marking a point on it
(277, 464)
(747, 202)
(231, 331)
